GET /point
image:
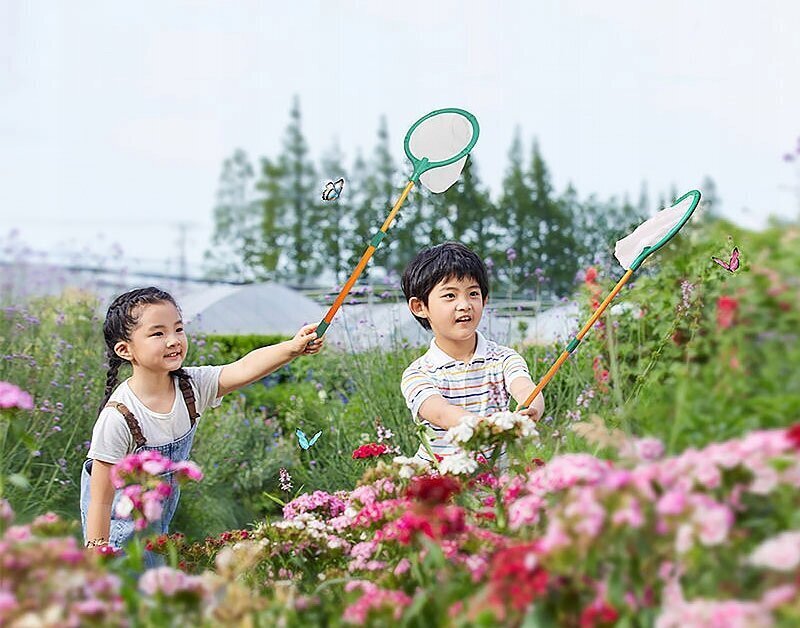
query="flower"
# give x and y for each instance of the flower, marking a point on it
(284, 480)
(462, 432)
(511, 254)
(515, 578)
(793, 434)
(591, 275)
(433, 489)
(12, 396)
(458, 463)
(370, 450)
(779, 553)
(726, 311)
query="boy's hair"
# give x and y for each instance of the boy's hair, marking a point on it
(440, 262)
(121, 319)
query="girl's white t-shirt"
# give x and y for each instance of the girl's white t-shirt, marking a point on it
(112, 439)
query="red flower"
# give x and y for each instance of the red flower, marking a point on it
(726, 311)
(793, 434)
(516, 579)
(370, 450)
(591, 274)
(598, 613)
(433, 489)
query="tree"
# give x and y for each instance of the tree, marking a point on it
(300, 190)
(236, 219)
(333, 222)
(470, 212)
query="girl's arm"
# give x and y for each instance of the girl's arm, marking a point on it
(521, 387)
(263, 361)
(98, 518)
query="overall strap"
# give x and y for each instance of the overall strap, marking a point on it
(133, 425)
(188, 397)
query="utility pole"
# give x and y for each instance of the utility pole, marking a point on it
(183, 230)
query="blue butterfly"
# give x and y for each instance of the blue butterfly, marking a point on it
(304, 442)
(333, 190)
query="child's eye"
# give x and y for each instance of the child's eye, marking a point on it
(474, 293)
(179, 330)
(449, 295)
(158, 333)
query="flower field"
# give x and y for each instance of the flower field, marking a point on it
(662, 486)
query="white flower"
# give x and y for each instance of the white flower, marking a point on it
(457, 464)
(529, 429)
(462, 432)
(124, 507)
(503, 420)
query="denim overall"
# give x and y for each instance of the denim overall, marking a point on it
(121, 530)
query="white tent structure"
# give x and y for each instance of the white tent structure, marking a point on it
(261, 308)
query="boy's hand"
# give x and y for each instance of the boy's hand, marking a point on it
(305, 341)
(530, 411)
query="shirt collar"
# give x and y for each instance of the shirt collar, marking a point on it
(440, 358)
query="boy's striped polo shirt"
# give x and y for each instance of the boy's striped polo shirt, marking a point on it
(480, 386)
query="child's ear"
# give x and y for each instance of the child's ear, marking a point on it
(417, 307)
(122, 350)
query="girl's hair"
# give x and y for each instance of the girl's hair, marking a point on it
(121, 319)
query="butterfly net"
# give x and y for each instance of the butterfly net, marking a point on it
(439, 138)
(651, 232)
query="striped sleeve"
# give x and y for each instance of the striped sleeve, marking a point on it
(417, 386)
(513, 367)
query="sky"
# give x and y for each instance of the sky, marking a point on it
(115, 117)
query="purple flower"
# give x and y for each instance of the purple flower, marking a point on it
(511, 254)
(489, 262)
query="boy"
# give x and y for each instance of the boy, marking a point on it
(463, 373)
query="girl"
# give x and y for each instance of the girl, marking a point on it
(158, 406)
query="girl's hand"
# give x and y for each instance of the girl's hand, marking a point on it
(305, 341)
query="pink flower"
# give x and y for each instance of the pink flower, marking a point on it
(168, 582)
(6, 512)
(777, 597)
(18, 533)
(370, 450)
(780, 553)
(726, 311)
(12, 396)
(45, 519)
(189, 470)
(7, 602)
(672, 503)
(402, 567)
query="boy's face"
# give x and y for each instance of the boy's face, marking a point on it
(454, 308)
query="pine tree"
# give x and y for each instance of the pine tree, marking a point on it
(270, 257)
(516, 218)
(332, 224)
(552, 245)
(300, 192)
(235, 219)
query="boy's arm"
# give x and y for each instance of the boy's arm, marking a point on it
(98, 517)
(261, 362)
(521, 387)
(437, 410)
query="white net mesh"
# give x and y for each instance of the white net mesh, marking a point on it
(438, 138)
(650, 232)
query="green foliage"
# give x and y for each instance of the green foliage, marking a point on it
(230, 347)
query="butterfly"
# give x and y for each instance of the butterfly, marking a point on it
(333, 190)
(731, 266)
(304, 442)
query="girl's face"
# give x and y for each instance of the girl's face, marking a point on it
(158, 343)
(454, 308)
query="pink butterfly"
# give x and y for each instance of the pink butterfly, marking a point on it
(731, 266)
